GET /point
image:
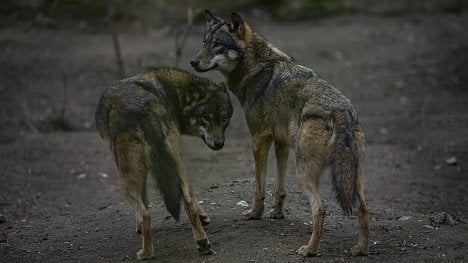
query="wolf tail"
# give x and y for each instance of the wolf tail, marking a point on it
(101, 116)
(164, 168)
(344, 160)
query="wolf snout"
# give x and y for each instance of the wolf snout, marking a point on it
(218, 144)
(213, 143)
(195, 62)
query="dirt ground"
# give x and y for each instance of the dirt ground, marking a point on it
(60, 197)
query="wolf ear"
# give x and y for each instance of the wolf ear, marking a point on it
(211, 18)
(237, 26)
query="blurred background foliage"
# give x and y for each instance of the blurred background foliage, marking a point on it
(153, 13)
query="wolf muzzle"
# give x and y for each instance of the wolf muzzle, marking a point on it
(214, 144)
(195, 63)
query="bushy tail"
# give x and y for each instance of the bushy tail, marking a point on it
(344, 160)
(163, 167)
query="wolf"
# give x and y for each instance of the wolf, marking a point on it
(141, 119)
(291, 106)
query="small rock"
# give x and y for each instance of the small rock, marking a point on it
(104, 175)
(449, 220)
(87, 124)
(428, 226)
(242, 203)
(405, 218)
(399, 84)
(403, 244)
(451, 160)
(81, 176)
(442, 218)
(338, 55)
(437, 218)
(201, 202)
(383, 130)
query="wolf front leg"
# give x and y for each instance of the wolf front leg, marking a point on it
(204, 219)
(191, 208)
(261, 145)
(190, 202)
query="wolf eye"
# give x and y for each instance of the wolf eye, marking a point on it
(218, 44)
(225, 119)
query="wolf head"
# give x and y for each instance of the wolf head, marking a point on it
(223, 44)
(208, 112)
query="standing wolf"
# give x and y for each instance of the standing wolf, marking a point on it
(141, 119)
(289, 105)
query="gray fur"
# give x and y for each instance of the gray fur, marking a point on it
(291, 106)
(142, 118)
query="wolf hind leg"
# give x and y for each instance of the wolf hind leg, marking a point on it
(362, 247)
(261, 145)
(144, 219)
(309, 181)
(311, 158)
(144, 198)
(131, 164)
(281, 152)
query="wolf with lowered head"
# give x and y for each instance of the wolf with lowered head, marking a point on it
(141, 119)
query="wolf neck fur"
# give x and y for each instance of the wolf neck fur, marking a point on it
(258, 55)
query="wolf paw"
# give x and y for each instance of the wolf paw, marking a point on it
(204, 219)
(253, 214)
(306, 252)
(145, 254)
(359, 251)
(276, 213)
(204, 247)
